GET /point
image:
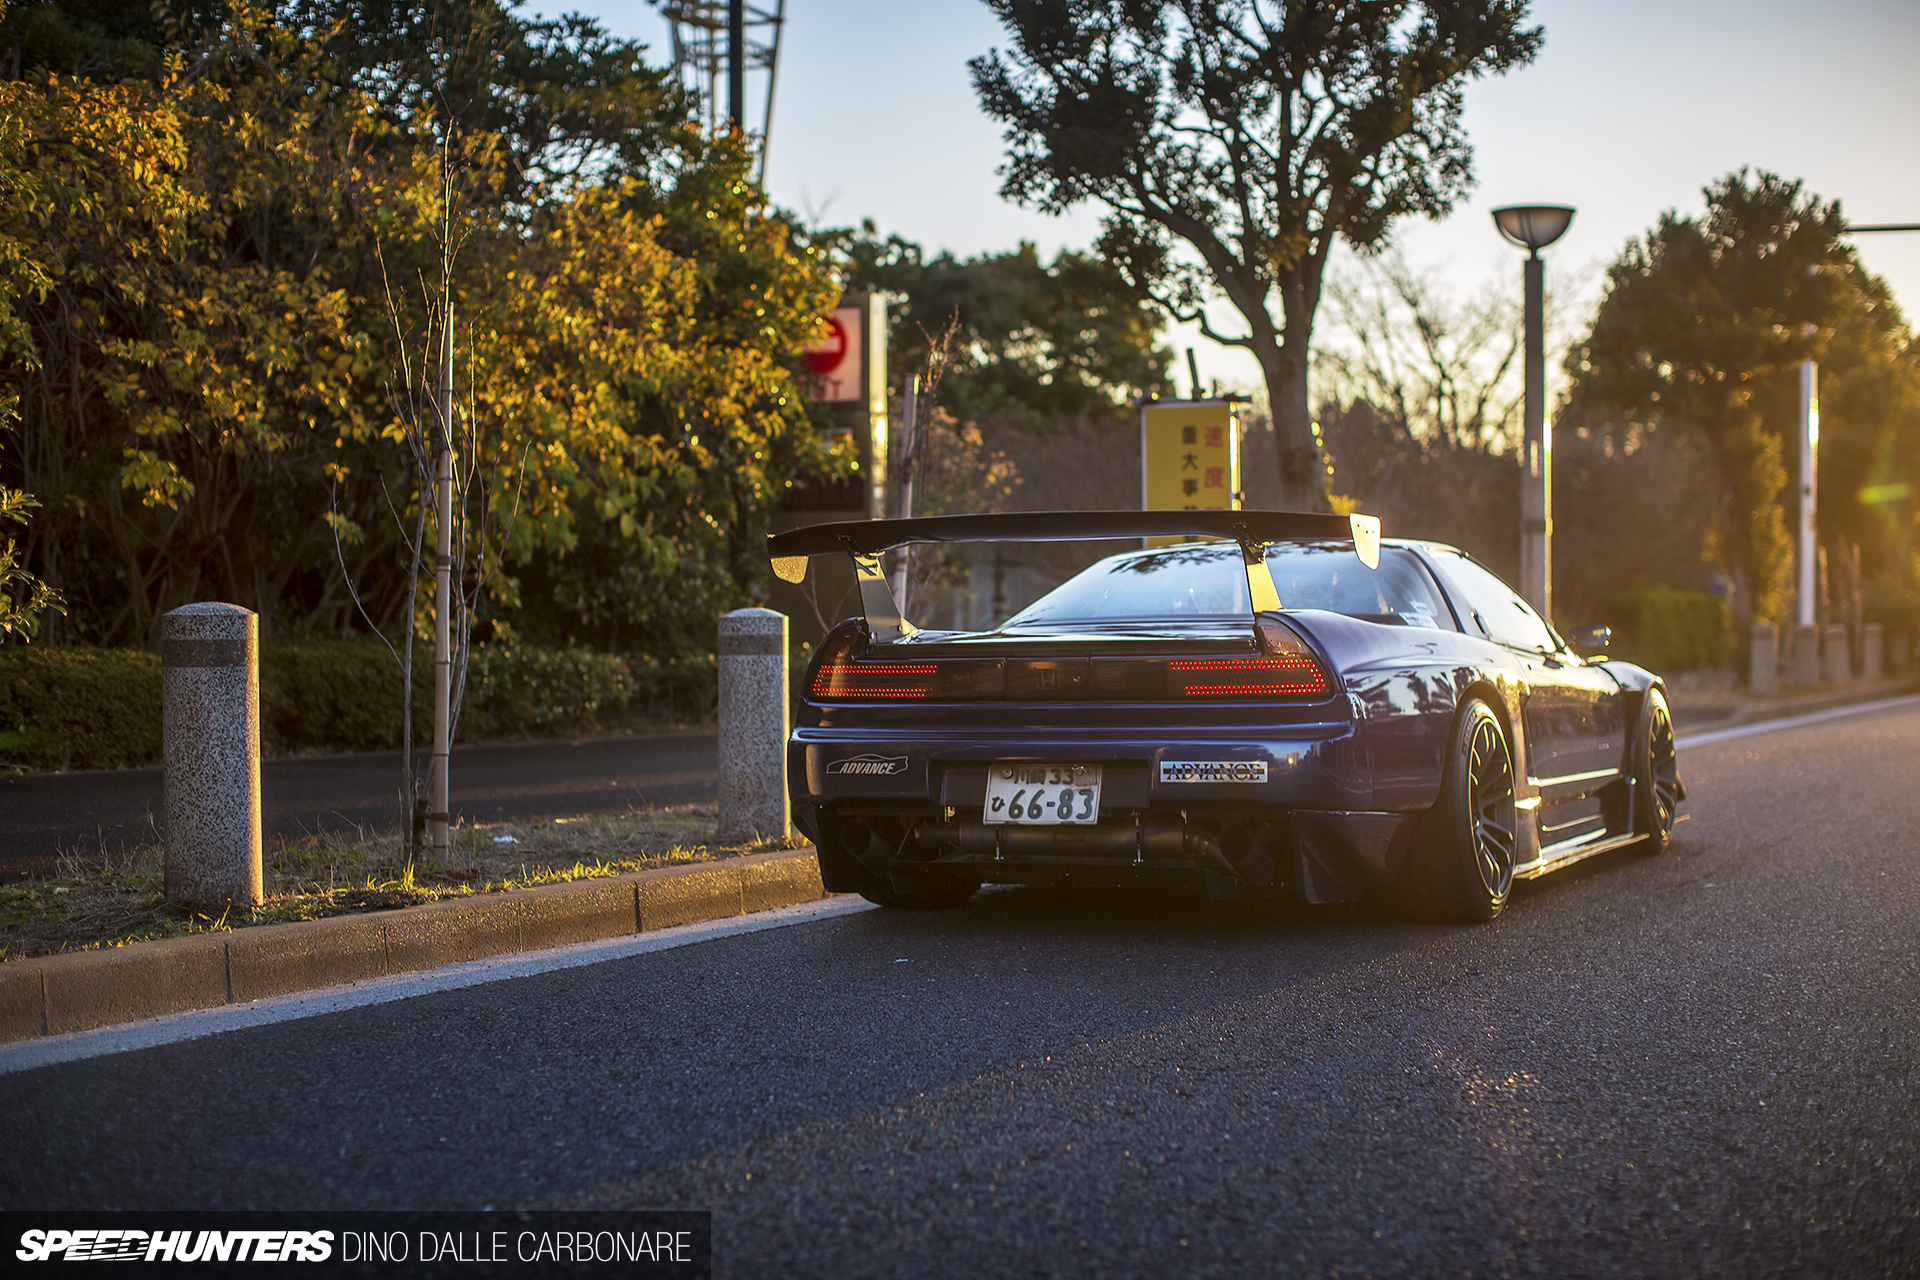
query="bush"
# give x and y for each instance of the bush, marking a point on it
(518, 690)
(100, 708)
(1666, 630)
(339, 695)
(79, 708)
(682, 689)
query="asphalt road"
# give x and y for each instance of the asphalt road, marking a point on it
(1696, 1065)
(43, 815)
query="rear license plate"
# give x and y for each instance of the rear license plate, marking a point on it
(1043, 794)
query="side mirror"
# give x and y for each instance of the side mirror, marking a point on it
(1590, 639)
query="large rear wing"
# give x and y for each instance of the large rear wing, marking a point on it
(865, 541)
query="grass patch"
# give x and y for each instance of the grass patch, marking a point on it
(108, 901)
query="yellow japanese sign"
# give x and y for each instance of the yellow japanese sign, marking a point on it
(1189, 456)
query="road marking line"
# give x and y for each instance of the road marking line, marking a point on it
(174, 1028)
(1768, 726)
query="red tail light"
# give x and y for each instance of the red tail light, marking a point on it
(841, 676)
(1251, 678)
(860, 681)
(1288, 670)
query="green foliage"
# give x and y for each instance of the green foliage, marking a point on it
(521, 690)
(100, 708)
(338, 695)
(79, 708)
(23, 598)
(207, 269)
(1667, 630)
(1252, 133)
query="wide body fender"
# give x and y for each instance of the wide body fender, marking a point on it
(1406, 686)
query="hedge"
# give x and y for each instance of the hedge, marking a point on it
(79, 708)
(1668, 630)
(100, 708)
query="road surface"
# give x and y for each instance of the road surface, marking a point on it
(1699, 1064)
(42, 815)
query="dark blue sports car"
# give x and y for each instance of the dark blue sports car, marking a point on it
(1290, 707)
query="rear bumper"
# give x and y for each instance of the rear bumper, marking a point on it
(1321, 766)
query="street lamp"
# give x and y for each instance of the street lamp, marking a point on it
(1533, 227)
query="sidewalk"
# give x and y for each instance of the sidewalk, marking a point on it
(1697, 709)
(53, 995)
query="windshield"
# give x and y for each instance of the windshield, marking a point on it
(1206, 580)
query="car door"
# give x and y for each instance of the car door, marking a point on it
(1570, 706)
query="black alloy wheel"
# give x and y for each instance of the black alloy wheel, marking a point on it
(1490, 802)
(1657, 790)
(1461, 871)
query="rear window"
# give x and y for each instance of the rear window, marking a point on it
(1206, 580)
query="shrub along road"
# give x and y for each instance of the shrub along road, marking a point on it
(1699, 1064)
(120, 808)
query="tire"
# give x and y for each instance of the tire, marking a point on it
(1657, 790)
(1462, 869)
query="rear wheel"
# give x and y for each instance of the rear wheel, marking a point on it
(1462, 869)
(1656, 774)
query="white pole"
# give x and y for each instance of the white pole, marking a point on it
(1809, 481)
(442, 593)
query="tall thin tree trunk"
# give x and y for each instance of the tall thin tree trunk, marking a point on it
(1283, 362)
(1303, 473)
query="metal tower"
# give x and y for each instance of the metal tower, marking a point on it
(704, 32)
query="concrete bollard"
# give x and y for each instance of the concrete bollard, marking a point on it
(1836, 662)
(753, 726)
(1873, 649)
(1764, 677)
(1806, 657)
(210, 705)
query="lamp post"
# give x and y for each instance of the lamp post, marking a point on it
(1534, 227)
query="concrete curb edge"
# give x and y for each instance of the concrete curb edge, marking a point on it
(53, 995)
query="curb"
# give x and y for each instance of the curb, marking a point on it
(1786, 708)
(54, 995)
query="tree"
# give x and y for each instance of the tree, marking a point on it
(1701, 317)
(23, 597)
(1415, 390)
(195, 270)
(1254, 132)
(1033, 342)
(678, 414)
(1439, 367)
(565, 103)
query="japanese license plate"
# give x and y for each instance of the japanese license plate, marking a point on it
(1043, 794)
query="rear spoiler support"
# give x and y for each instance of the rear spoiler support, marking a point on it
(884, 621)
(865, 541)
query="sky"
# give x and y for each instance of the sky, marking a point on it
(1631, 108)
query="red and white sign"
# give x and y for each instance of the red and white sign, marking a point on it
(834, 360)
